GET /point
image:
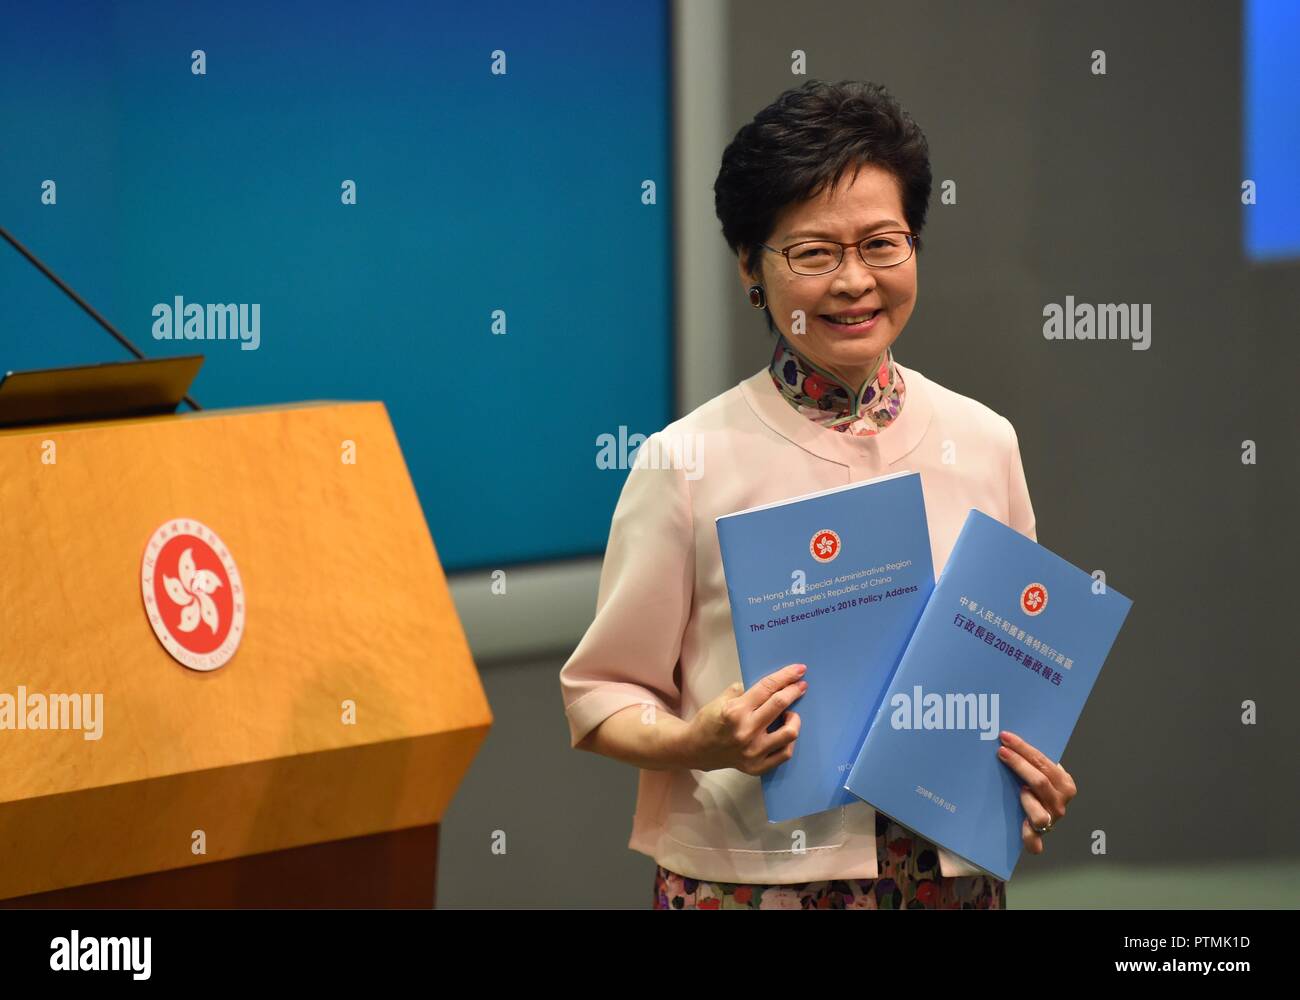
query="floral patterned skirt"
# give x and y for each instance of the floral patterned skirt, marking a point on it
(909, 880)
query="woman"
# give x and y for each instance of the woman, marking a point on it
(822, 198)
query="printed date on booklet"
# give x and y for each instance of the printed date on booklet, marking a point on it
(938, 800)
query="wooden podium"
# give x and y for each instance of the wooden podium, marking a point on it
(313, 767)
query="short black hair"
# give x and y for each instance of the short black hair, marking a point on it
(804, 142)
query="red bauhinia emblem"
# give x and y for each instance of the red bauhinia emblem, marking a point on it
(825, 545)
(1033, 599)
(192, 594)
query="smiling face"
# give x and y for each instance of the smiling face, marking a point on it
(858, 206)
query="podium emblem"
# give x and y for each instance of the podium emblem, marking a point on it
(193, 595)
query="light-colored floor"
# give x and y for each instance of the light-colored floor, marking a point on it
(1267, 885)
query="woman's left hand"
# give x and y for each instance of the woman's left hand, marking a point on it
(1045, 790)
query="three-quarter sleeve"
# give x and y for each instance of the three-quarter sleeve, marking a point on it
(629, 653)
(1020, 510)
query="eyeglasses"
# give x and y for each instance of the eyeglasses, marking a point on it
(823, 256)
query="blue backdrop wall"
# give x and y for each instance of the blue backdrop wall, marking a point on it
(518, 197)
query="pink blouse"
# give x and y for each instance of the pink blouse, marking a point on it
(662, 634)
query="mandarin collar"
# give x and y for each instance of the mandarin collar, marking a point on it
(863, 457)
(828, 400)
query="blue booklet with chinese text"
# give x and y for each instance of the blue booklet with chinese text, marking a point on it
(837, 580)
(1012, 638)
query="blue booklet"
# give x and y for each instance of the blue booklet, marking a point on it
(1013, 638)
(837, 580)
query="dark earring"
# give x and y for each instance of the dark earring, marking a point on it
(756, 297)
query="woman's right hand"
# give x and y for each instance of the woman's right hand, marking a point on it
(731, 730)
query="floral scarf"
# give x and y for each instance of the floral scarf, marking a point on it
(829, 401)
